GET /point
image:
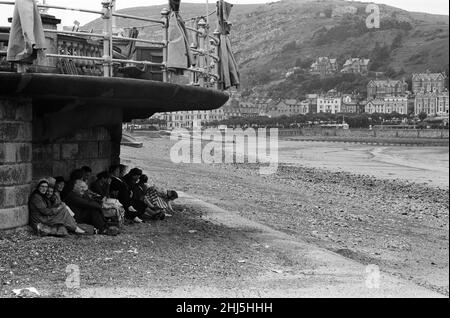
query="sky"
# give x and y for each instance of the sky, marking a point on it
(430, 6)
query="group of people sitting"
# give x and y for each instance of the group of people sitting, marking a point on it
(102, 206)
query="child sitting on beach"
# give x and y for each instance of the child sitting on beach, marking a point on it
(156, 198)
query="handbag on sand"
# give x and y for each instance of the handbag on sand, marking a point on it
(113, 212)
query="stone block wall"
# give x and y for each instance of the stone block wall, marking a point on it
(89, 147)
(24, 159)
(15, 161)
(426, 133)
(366, 133)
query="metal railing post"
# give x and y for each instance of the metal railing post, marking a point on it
(192, 75)
(217, 63)
(107, 39)
(202, 46)
(165, 18)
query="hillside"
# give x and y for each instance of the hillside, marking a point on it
(272, 38)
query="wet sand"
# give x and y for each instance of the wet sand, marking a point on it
(429, 165)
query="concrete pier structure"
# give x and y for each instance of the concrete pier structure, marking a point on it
(66, 109)
(51, 124)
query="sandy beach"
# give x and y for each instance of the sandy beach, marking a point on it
(305, 231)
(361, 206)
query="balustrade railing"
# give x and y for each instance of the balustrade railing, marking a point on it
(83, 53)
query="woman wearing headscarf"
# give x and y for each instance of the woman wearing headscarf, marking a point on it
(48, 219)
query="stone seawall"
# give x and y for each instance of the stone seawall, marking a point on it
(24, 159)
(366, 133)
(90, 147)
(15, 161)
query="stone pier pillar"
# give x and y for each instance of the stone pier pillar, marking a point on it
(15, 161)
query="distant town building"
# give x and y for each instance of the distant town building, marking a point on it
(428, 82)
(362, 106)
(272, 112)
(356, 66)
(291, 107)
(387, 105)
(248, 109)
(311, 99)
(411, 105)
(350, 104)
(241, 109)
(329, 104)
(432, 104)
(190, 119)
(292, 71)
(379, 89)
(324, 66)
(305, 107)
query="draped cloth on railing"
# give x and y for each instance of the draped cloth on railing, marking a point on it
(27, 33)
(179, 54)
(229, 72)
(174, 5)
(128, 51)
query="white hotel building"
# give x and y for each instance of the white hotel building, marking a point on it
(387, 105)
(190, 119)
(329, 104)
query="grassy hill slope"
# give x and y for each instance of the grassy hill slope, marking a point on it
(270, 39)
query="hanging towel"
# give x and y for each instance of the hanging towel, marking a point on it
(229, 71)
(27, 33)
(179, 54)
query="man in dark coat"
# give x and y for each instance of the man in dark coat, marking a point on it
(102, 184)
(121, 190)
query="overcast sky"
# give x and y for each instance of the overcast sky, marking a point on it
(431, 6)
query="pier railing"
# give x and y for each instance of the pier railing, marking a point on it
(78, 54)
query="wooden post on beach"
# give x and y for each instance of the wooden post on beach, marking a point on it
(217, 63)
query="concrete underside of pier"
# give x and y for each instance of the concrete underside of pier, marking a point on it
(51, 124)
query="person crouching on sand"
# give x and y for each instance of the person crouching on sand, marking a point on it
(157, 198)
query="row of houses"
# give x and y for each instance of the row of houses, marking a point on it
(428, 95)
(383, 96)
(325, 103)
(325, 66)
(190, 119)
